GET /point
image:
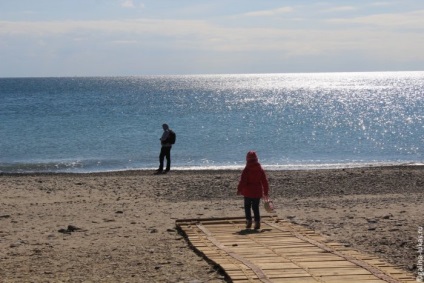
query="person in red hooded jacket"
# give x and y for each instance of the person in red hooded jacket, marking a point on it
(253, 186)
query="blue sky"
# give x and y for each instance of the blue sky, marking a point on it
(155, 37)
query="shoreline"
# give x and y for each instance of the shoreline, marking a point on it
(127, 219)
(220, 170)
(304, 167)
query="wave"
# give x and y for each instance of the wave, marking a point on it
(95, 166)
(62, 166)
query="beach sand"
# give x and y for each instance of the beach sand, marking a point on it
(120, 227)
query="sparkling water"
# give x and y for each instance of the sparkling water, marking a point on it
(293, 121)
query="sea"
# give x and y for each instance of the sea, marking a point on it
(299, 121)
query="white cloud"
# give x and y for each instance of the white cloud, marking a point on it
(131, 4)
(127, 3)
(412, 20)
(380, 4)
(340, 9)
(202, 35)
(47, 28)
(273, 12)
(125, 42)
(397, 37)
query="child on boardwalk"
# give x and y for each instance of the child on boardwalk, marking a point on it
(253, 186)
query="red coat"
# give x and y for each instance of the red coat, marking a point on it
(253, 181)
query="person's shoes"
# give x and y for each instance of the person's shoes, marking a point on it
(257, 225)
(248, 224)
(157, 172)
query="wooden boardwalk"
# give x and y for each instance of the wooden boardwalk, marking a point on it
(283, 252)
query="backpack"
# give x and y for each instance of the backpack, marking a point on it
(172, 137)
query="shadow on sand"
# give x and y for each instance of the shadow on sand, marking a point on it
(251, 231)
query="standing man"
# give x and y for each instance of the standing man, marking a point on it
(167, 140)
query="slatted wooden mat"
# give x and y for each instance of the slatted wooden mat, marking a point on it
(283, 252)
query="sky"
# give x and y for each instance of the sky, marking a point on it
(44, 38)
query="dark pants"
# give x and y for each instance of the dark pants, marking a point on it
(249, 205)
(165, 151)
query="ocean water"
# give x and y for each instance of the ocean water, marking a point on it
(293, 121)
